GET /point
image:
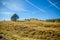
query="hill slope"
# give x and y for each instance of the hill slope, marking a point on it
(29, 30)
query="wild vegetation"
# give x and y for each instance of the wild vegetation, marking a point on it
(29, 30)
(53, 20)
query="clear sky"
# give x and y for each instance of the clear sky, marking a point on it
(25, 9)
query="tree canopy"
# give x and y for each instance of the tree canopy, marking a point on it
(14, 17)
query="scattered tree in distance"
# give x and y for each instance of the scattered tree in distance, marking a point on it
(14, 17)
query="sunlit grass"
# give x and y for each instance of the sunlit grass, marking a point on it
(30, 30)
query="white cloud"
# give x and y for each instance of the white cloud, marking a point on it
(6, 13)
(54, 4)
(35, 6)
(14, 6)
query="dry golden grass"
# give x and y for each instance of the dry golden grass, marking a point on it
(30, 30)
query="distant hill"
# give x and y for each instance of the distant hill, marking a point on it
(53, 20)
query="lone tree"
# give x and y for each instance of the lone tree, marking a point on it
(14, 17)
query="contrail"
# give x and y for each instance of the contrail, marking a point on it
(53, 4)
(35, 6)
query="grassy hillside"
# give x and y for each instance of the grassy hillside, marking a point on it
(29, 30)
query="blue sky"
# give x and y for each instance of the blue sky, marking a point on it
(25, 9)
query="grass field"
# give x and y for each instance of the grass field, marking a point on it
(29, 30)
